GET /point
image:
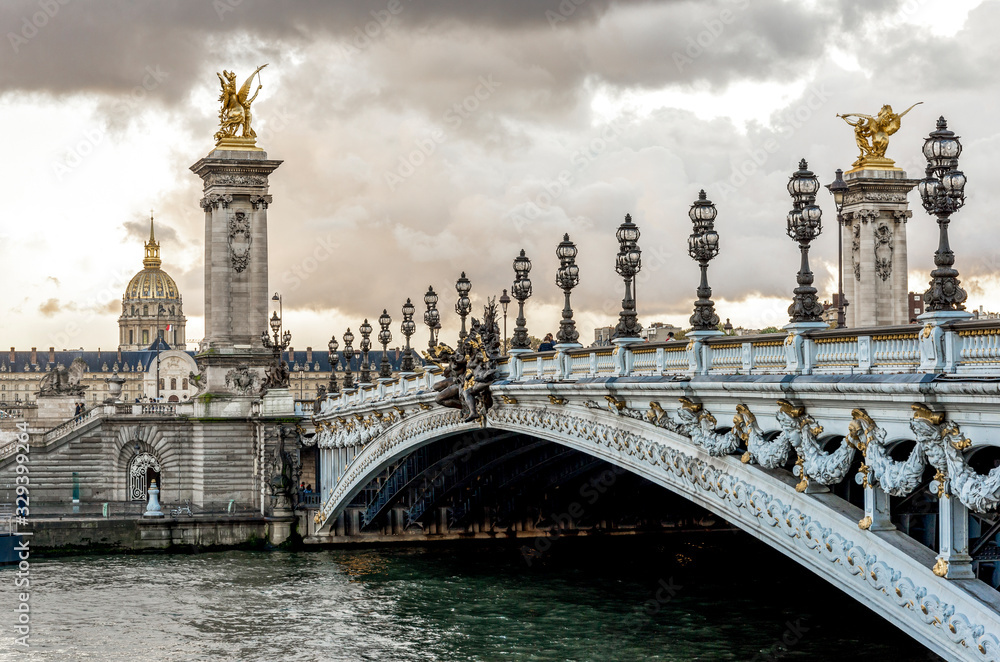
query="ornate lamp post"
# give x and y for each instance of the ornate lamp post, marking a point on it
(942, 192)
(804, 225)
(384, 337)
(432, 318)
(504, 302)
(703, 245)
(839, 188)
(408, 328)
(567, 277)
(280, 342)
(333, 345)
(627, 264)
(463, 306)
(348, 355)
(366, 345)
(521, 289)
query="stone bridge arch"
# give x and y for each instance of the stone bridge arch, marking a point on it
(884, 570)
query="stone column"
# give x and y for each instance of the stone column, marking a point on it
(875, 212)
(235, 203)
(900, 286)
(850, 280)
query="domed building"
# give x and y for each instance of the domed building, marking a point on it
(151, 301)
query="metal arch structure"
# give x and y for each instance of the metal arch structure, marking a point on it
(685, 452)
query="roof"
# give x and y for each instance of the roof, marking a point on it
(97, 361)
(107, 360)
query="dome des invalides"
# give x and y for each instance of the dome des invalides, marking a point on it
(151, 302)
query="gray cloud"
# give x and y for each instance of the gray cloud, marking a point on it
(397, 158)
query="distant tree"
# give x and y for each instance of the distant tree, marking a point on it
(771, 329)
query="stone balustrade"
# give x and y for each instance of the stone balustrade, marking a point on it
(971, 348)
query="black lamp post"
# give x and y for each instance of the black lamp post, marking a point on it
(463, 306)
(333, 345)
(432, 318)
(839, 188)
(804, 225)
(366, 345)
(627, 264)
(408, 328)
(521, 289)
(384, 337)
(504, 302)
(567, 277)
(281, 340)
(348, 356)
(703, 245)
(942, 192)
(159, 337)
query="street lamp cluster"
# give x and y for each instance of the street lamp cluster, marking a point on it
(941, 191)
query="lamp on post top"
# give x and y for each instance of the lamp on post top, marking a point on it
(432, 318)
(567, 277)
(839, 189)
(348, 356)
(521, 289)
(384, 337)
(463, 306)
(504, 302)
(366, 345)
(627, 264)
(333, 346)
(804, 223)
(703, 246)
(408, 328)
(942, 192)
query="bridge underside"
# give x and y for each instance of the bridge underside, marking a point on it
(505, 483)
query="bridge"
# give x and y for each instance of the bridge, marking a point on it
(815, 444)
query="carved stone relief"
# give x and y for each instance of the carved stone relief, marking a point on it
(239, 240)
(883, 251)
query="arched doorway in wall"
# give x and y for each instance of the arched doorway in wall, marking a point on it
(173, 398)
(142, 470)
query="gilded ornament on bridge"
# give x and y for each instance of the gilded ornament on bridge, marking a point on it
(470, 369)
(234, 115)
(872, 136)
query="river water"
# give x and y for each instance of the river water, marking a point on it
(719, 597)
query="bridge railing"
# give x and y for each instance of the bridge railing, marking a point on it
(970, 347)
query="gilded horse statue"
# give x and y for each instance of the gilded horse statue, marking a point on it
(872, 134)
(235, 111)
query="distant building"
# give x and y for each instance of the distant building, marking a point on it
(152, 306)
(982, 314)
(602, 335)
(915, 305)
(659, 332)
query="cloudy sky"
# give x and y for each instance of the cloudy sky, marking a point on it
(421, 138)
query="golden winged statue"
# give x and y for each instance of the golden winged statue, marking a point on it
(235, 111)
(872, 135)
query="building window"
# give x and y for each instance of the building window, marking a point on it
(185, 383)
(145, 336)
(161, 383)
(175, 337)
(173, 383)
(131, 337)
(145, 310)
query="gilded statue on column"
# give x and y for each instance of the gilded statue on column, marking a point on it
(235, 115)
(872, 135)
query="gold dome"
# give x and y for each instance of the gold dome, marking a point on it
(152, 282)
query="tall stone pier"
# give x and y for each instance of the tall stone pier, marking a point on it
(874, 234)
(235, 202)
